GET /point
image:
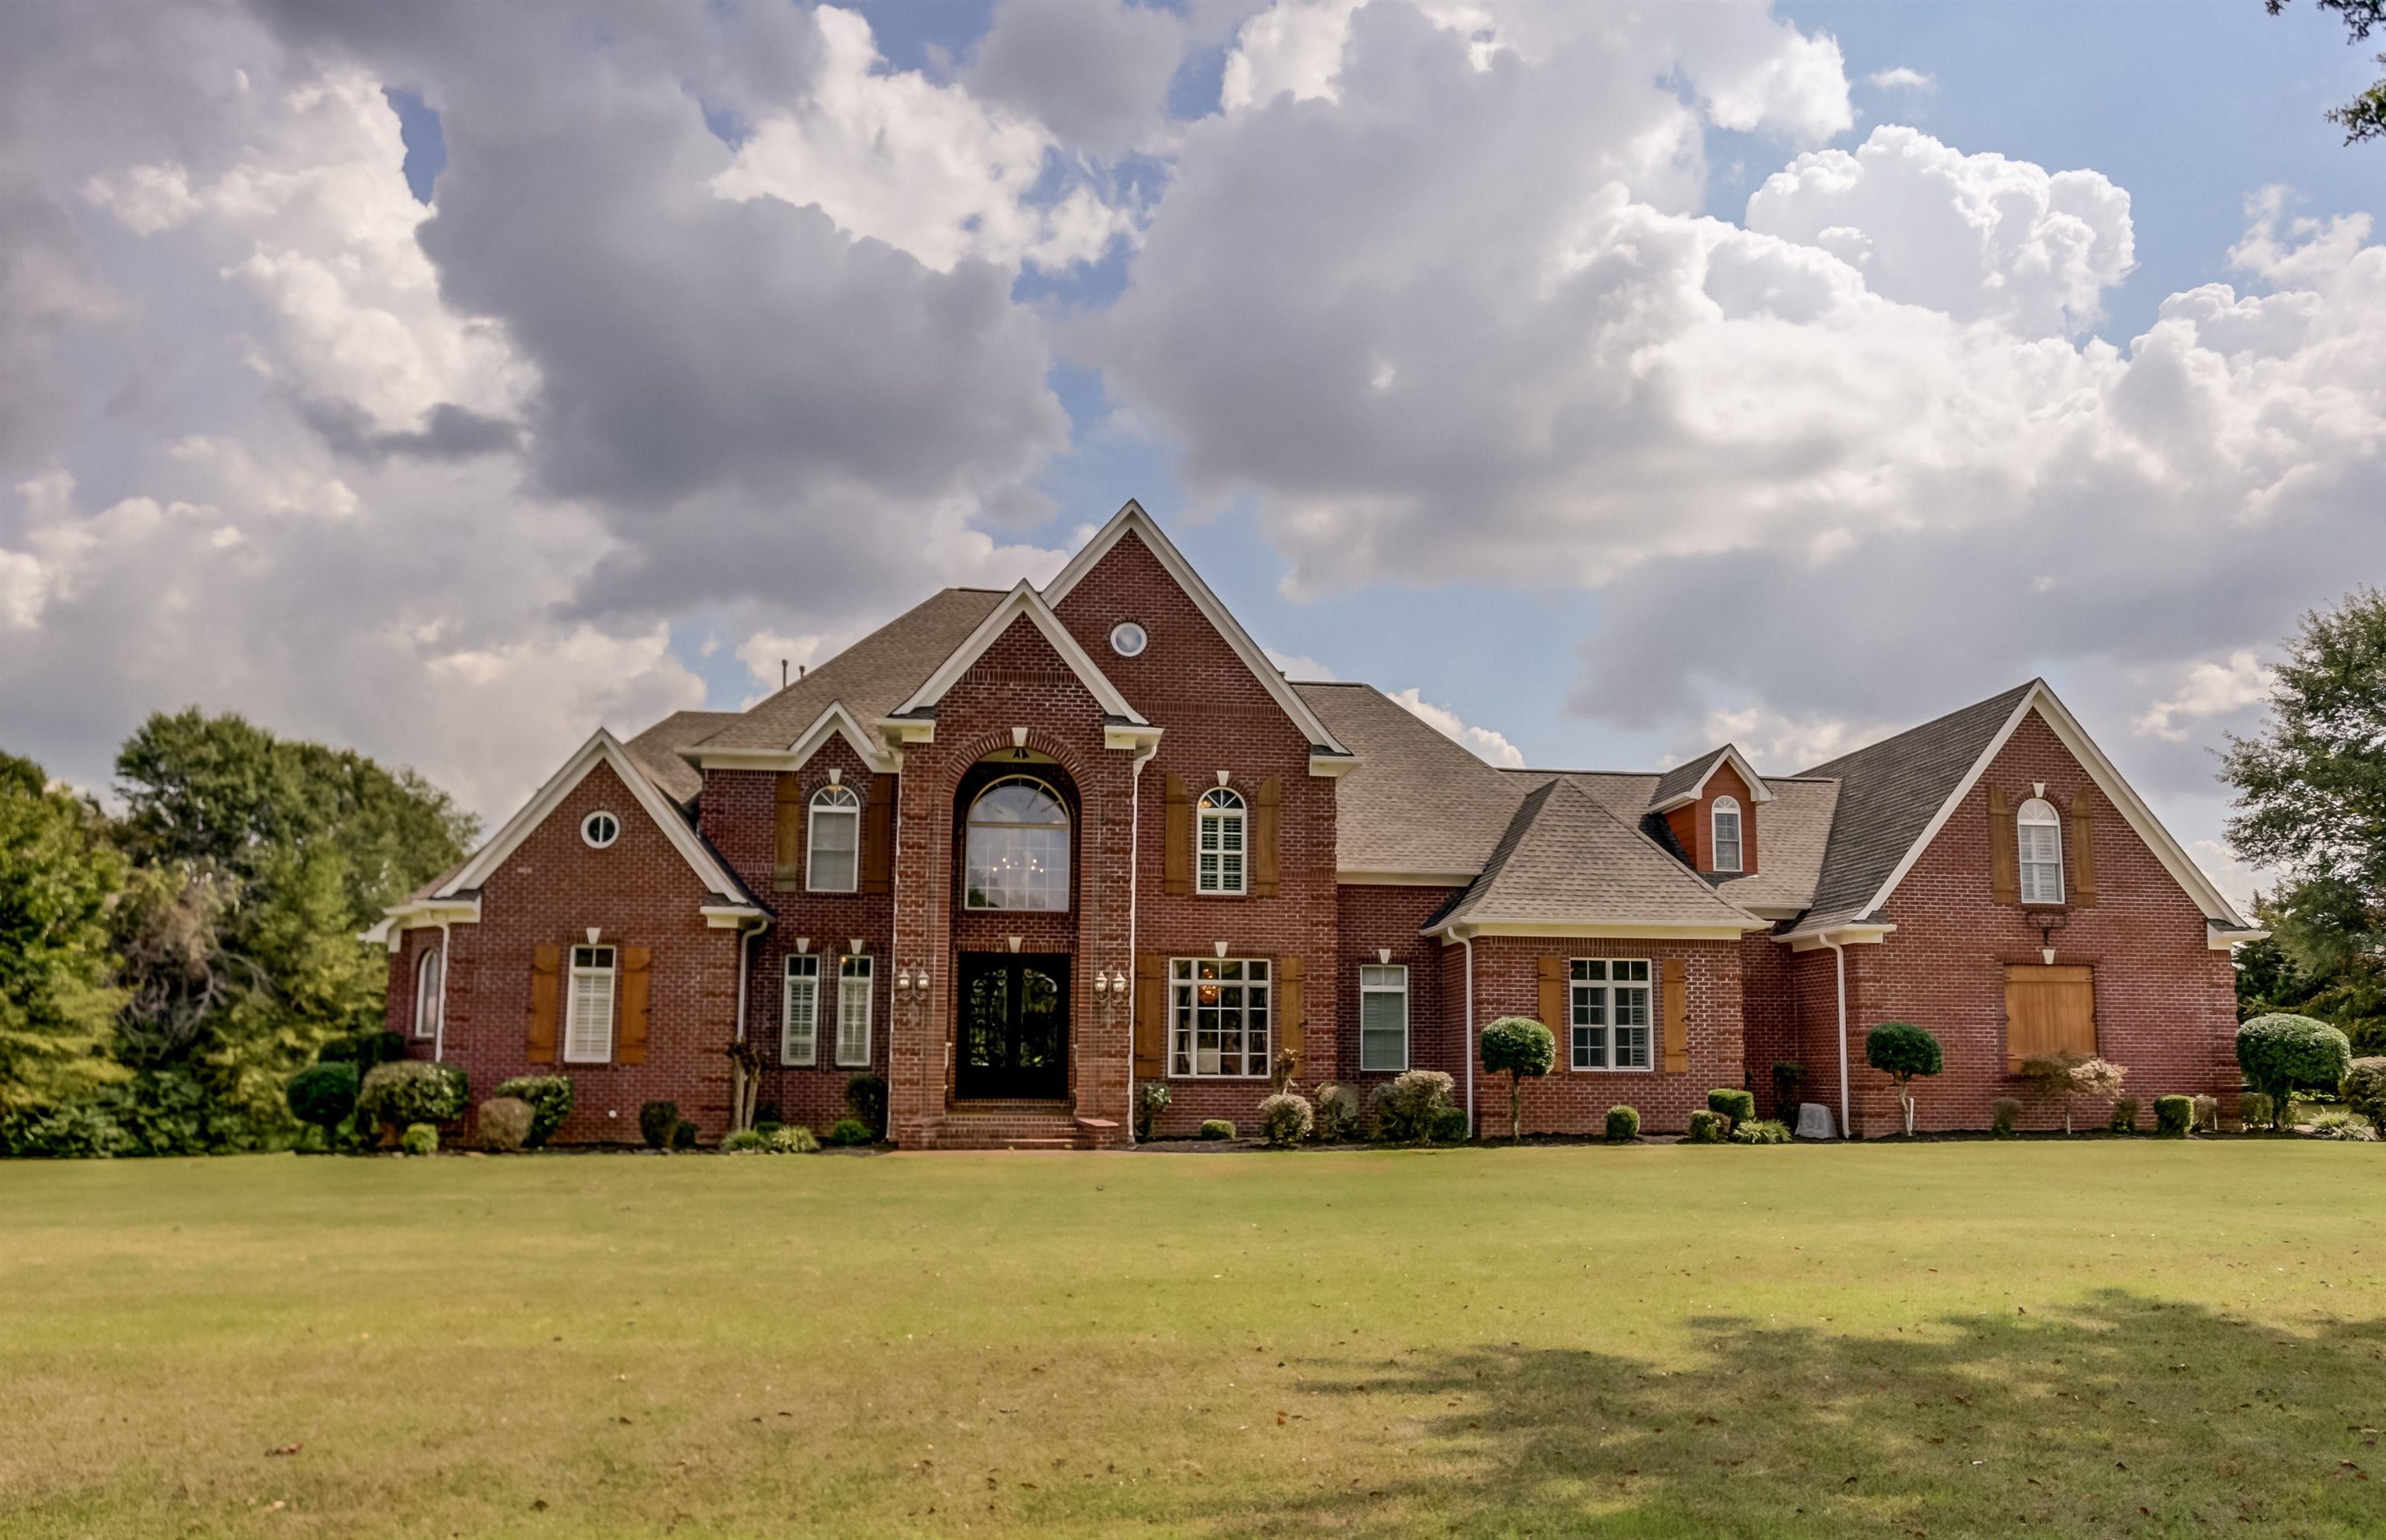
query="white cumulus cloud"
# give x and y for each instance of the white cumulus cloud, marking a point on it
(1484, 742)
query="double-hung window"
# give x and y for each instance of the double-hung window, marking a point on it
(1383, 1018)
(853, 1013)
(1218, 1016)
(588, 1009)
(426, 995)
(1727, 834)
(800, 1012)
(2040, 832)
(835, 841)
(1611, 1010)
(1219, 849)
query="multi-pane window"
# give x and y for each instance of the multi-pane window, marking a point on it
(1018, 848)
(1727, 834)
(1218, 1016)
(800, 1012)
(588, 1007)
(2042, 852)
(835, 840)
(1219, 846)
(1609, 1029)
(853, 1013)
(1383, 1018)
(426, 995)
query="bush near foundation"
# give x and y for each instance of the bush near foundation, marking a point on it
(1901, 1050)
(795, 1140)
(1622, 1124)
(1525, 1050)
(2125, 1115)
(1286, 1119)
(2207, 1113)
(2365, 1090)
(550, 1102)
(867, 1095)
(420, 1139)
(2174, 1116)
(657, 1121)
(504, 1124)
(1761, 1131)
(1405, 1106)
(2004, 1114)
(2341, 1126)
(324, 1095)
(849, 1132)
(1448, 1126)
(1738, 1106)
(1151, 1098)
(2282, 1054)
(1707, 1128)
(413, 1090)
(1337, 1112)
(2256, 1110)
(744, 1141)
(684, 1136)
(1217, 1130)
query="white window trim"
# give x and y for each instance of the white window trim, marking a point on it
(427, 991)
(1067, 825)
(1606, 986)
(2023, 824)
(788, 975)
(1266, 984)
(1723, 806)
(1237, 817)
(1365, 989)
(611, 973)
(588, 823)
(865, 977)
(835, 802)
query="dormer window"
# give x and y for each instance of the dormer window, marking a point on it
(2041, 833)
(1727, 834)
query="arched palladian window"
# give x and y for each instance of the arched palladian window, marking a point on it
(2040, 832)
(833, 840)
(1727, 834)
(1018, 848)
(1219, 844)
(426, 995)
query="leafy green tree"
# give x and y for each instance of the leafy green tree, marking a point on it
(2311, 804)
(1901, 1050)
(2365, 116)
(58, 878)
(1525, 1049)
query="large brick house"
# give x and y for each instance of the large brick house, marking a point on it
(1018, 851)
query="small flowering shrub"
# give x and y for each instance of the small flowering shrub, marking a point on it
(1761, 1131)
(1622, 1124)
(1217, 1130)
(420, 1139)
(1707, 1128)
(1286, 1119)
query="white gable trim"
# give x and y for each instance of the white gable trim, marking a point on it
(1131, 516)
(603, 748)
(1757, 789)
(1023, 601)
(1620, 930)
(2068, 731)
(836, 722)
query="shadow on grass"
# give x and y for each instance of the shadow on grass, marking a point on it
(2125, 1416)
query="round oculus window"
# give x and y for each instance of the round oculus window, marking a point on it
(1128, 640)
(601, 830)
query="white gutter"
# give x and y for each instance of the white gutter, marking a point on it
(1134, 843)
(1468, 943)
(439, 1038)
(1839, 966)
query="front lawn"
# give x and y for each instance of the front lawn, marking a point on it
(2133, 1338)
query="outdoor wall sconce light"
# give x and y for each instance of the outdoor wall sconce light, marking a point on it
(1101, 982)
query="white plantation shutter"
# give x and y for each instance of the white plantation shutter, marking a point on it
(588, 1009)
(853, 1013)
(2041, 837)
(799, 1024)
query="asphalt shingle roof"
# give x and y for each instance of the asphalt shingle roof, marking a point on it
(1681, 777)
(1416, 802)
(872, 677)
(656, 751)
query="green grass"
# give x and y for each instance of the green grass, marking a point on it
(2132, 1338)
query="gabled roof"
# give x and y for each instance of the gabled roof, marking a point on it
(657, 750)
(1684, 783)
(1566, 862)
(601, 749)
(1022, 602)
(1417, 804)
(1131, 517)
(870, 678)
(1791, 834)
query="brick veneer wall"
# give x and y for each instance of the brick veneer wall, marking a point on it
(1376, 916)
(1768, 1018)
(640, 891)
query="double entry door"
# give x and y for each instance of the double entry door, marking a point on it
(1015, 1027)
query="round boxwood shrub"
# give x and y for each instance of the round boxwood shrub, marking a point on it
(1448, 1126)
(1761, 1131)
(2365, 1090)
(848, 1130)
(420, 1139)
(1286, 1119)
(1738, 1106)
(1901, 1050)
(2174, 1116)
(1707, 1128)
(867, 1095)
(413, 1090)
(2280, 1053)
(658, 1120)
(1217, 1128)
(1525, 1050)
(504, 1124)
(324, 1095)
(550, 1102)
(1622, 1124)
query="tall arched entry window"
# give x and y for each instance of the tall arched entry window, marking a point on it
(1016, 852)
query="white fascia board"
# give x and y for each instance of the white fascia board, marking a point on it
(1023, 601)
(1131, 516)
(417, 915)
(2068, 731)
(1617, 930)
(1134, 735)
(604, 748)
(1846, 935)
(731, 917)
(2225, 938)
(1758, 792)
(1332, 767)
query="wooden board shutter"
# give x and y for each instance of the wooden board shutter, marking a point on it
(1554, 1014)
(1150, 1016)
(787, 838)
(1291, 1005)
(1266, 821)
(2049, 1011)
(629, 1042)
(1176, 845)
(546, 975)
(2083, 849)
(1674, 1000)
(879, 835)
(2004, 849)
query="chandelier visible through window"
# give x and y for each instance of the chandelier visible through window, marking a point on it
(1017, 855)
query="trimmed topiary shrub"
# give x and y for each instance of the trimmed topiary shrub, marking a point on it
(2004, 1114)
(1217, 1130)
(684, 1136)
(503, 1124)
(1524, 1050)
(849, 1132)
(550, 1102)
(1404, 1106)
(1337, 1112)
(413, 1090)
(2174, 1116)
(795, 1140)
(1707, 1128)
(1738, 1106)
(2125, 1115)
(1901, 1050)
(744, 1141)
(2365, 1090)
(420, 1139)
(2281, 1053)
(867, 1095)
(323, 1096)
(1448, 1126)
(1286, 1119)
(1761, 1131)
(1622, 1124)
(1151, 1099)
(658, 1120)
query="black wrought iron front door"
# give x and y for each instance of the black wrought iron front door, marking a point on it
(1015, 1027)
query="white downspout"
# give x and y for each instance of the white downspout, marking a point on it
(1133, 844)
(1468, 944)
(439, 1038)
(746, 935)
(1840, 967)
